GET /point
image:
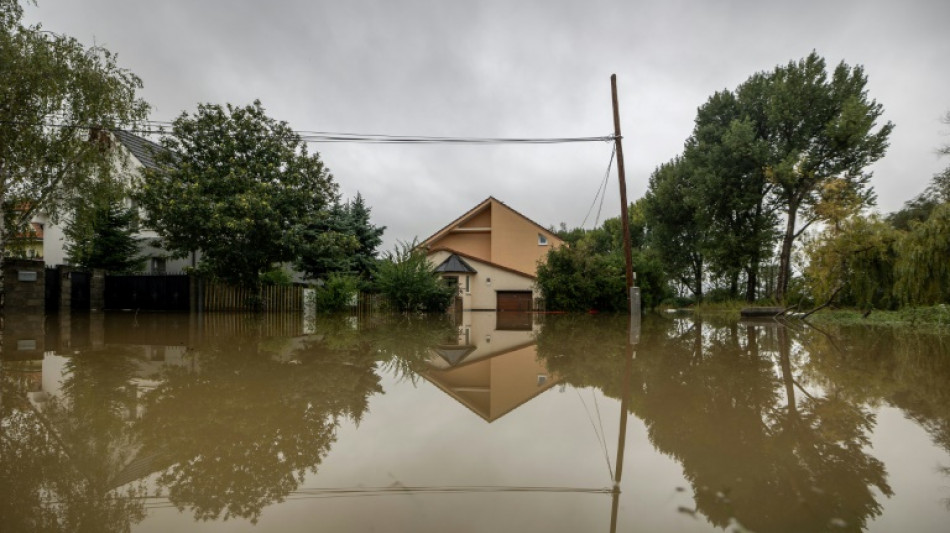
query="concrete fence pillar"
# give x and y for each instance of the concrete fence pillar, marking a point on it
(97, 290)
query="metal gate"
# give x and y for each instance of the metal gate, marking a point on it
(79, 280)
(52, 289)
(157, 292)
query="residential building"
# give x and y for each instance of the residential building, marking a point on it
(491, 253)
(135, 154)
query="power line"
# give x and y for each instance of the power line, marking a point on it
(158, 127)
(601, 191)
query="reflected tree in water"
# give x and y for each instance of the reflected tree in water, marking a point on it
(724, 402)
(241, 426)
(61, 466)
(403, 343)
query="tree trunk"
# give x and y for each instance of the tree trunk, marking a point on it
(785, 258)
(784, 350)
(698, 280)
(752, 281)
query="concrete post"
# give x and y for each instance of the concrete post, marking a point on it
(97, 290)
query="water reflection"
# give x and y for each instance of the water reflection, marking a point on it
(491, 366)
(223, 416)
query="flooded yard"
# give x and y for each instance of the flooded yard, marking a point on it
(485, 422)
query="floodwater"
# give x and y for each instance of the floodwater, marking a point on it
(485, 422)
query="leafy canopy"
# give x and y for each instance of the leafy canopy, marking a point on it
(240, 187)
(57, 98)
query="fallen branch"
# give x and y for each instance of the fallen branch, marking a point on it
(824, 305)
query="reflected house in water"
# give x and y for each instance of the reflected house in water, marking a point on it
(492, 367)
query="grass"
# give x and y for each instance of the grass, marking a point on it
(931, 318)
(935, 318)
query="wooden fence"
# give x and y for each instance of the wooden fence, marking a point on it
(280, 298)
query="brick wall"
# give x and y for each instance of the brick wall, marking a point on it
(24, 286)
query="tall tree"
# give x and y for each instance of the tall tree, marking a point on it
(240, 187)
(727, 156)
(676, 227)
(56, 98)
(817, 129)
(367, 235)
(342, 241)
(101, 230)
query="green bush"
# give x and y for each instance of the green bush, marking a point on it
(276, 276)
(582, 278)
(337, 293)
(409, 283)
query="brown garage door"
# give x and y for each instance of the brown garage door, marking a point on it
(514, 301)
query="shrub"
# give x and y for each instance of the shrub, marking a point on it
(337, 293)
(409, 283)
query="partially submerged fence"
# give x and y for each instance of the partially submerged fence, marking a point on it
(155, 292)
(279, 298)
(72, 289)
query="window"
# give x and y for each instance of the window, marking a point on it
(542, 240)
(158, 265)
(452, 281)
(468, 285)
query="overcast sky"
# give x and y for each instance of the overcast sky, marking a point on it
(512, 68)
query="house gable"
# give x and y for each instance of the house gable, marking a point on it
(494, 232)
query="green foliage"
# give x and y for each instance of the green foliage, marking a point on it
(789, 143)
(677, 230)
(854, 261)
(276, 276)
(578, 278)
(105, 239)
(726, 158)
(921, 206)
(923, 264)
(591, 273)
(337, 293)
(239, 186)
(819, 129)
(51, 89)
(409, 282)
(342, 240)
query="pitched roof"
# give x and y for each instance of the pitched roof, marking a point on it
(455, 264)
(475, 210)
(482, 261)
(143, 149)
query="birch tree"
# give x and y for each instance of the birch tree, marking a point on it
(58, 100)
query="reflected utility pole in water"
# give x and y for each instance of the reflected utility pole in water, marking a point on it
(633, 295)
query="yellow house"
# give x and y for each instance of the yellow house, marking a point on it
(491, 253)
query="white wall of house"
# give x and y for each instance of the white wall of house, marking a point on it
(484, 285)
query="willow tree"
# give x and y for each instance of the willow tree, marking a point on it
(56, 98)
(818, 129)
(922, 270)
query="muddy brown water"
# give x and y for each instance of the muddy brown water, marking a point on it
(481, 422)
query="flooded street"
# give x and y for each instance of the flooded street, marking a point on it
(490, 422)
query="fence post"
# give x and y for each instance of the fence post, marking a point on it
(65, 288)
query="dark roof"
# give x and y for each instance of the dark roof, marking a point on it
(143, 149)
(483, 261)
(454, 354)
(455, 264)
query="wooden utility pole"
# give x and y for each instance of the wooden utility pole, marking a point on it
(624, 218)
(633, 295)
